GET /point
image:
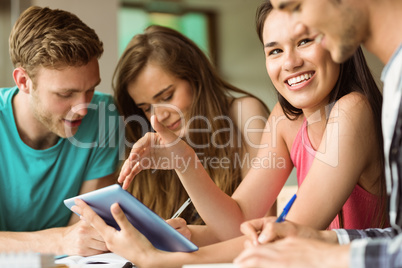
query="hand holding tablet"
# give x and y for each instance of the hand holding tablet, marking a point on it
(154, 228)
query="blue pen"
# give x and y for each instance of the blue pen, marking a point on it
(285, 211)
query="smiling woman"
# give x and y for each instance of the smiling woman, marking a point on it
(163, 73)
(302, 71)
(318, 96)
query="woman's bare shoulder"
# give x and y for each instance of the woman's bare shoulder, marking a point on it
(353, 106)
(249, 105)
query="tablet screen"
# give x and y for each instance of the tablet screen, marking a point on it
(154, 228)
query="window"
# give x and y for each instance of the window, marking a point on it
(198, 25)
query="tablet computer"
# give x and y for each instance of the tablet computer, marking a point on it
(154, 228)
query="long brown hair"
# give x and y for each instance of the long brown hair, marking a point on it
(354, 76)
(161, 190)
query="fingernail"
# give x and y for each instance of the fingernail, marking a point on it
(262, 239)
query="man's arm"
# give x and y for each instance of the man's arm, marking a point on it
(373, 247)
(295, 252)
(346, 236)
(78, 238)
(366, 252)
(368, 248)
(384, 252)
(92, 185)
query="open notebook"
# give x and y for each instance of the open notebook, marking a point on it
(106, 260)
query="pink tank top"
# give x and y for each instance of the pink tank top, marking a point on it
(360, 210)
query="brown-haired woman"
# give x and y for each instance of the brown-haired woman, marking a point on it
(163, 72)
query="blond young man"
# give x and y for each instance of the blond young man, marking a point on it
(59, 136)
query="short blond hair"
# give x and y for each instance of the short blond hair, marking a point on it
(52, 38)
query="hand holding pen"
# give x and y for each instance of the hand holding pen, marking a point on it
(261, 231)
(180, 224)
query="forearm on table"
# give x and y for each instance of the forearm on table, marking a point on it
(46, 241)
(328, 236)
(222, 252)
(336, 256)
(201, 235)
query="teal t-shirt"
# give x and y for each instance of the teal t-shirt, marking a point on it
(34, 183)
